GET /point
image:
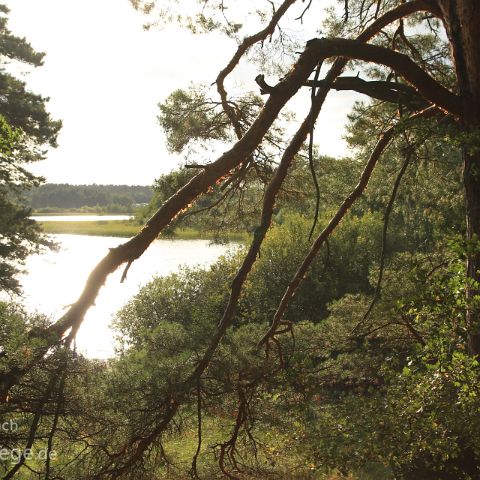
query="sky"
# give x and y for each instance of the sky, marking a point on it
(105, 75)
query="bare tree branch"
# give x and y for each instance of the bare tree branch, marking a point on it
(426, 85)
(194, 469)
(310, 156)
(242, 49)
(334, 222)
(393, 92)
(386, 219)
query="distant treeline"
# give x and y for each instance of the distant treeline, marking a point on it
(66, 196)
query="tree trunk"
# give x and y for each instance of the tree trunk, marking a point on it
(462, 23)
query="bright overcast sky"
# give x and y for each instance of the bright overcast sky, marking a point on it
(105, 76)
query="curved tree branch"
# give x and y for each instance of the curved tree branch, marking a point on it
(242, 49)
(134, 248)
(293, 148)
(334, 222)
(393, 92)
(426, 85)
(386, 220)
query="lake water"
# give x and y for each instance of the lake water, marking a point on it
(79, 218)
(56, 279)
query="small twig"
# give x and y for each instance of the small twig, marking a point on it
(125, 272)
(413, 331)
(310, 157)
(195, 165)
(55, 423)
(345, 15)
(194, 471)
(210, 207)
(300, 17)
(386, 219)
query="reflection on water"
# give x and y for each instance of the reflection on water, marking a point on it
(55, 280)
(79, 218)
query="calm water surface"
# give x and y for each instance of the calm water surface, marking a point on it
(55, 280)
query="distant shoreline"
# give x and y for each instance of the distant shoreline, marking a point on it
(127, 228)
(74, 213)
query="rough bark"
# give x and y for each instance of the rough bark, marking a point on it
(462, 21)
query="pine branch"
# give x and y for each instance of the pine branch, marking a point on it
(403, 65)
(393, 92)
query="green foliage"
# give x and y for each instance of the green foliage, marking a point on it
(369, 396)
(25, 130)
(106, 197)
(394, 396)
(406, 395)
(340, 268)
(170, 323)
(188, 116)
(389, 395)
(14, 327)
(20, 107)
(19, 235)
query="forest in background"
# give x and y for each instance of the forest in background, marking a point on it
(342, 341)
(54, 197)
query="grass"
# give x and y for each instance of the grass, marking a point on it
(104, 228)
(126, 228)
(273, 460)
(279, 455)
(73, 213)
